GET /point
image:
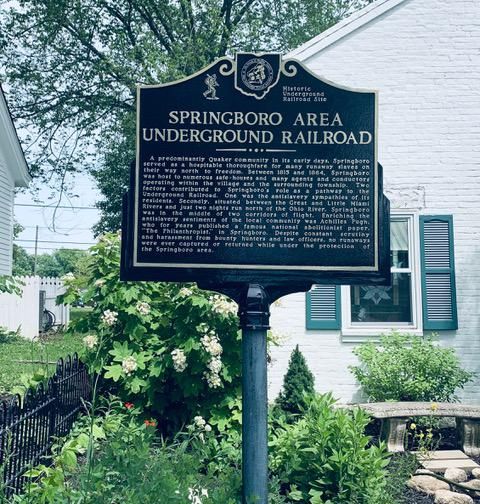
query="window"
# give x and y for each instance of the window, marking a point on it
(422, 294)
(378, 304)
(380, 308)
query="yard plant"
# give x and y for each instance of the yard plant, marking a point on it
(297, 384)
(325, 457)
(171, 348)
(118, 458)
(404, 367)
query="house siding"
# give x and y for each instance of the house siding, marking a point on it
(423, 56)
(6, 220)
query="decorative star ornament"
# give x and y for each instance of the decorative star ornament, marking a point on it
(376, 293)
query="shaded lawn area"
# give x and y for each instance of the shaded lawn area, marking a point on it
(50, 350)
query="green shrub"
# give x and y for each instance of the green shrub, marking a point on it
(171, 348)
(325, 457)
(297, 384)
(7, 336)
(404, 367)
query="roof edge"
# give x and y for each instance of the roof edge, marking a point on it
(14, 154)
(343, 28)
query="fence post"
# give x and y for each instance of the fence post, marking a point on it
(52, 414)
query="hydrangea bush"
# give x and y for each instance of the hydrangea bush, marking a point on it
(171, 348)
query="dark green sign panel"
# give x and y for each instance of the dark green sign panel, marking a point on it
(255, 169)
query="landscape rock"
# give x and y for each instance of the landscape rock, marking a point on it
(474, 485)
(447, 497)
(456, 475)
(476, 472)
(428, 484)
(423, 471)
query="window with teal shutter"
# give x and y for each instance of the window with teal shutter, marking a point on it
(323, 307)
(438, 272)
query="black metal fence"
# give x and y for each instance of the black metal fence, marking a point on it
(28, 427)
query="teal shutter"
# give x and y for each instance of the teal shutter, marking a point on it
(323, 307)
(438, 272)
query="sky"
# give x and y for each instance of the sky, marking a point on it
(72, 224)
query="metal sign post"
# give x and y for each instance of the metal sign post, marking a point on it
(254, 320)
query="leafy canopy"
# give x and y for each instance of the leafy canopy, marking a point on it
(56, 264)
(71, 67)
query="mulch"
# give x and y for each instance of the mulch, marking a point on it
(411, 497)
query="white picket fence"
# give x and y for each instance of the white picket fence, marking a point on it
(23, 311)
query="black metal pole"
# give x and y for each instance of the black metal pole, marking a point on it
(254, 320)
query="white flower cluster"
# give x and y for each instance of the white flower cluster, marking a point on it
(90, 341)
(223, 306)
(109, 317)
(201, 424)
(129, 365)
(67, 278)
(100, 282)
(179, 360)
(211, 344)
(215, 365)
(185, 292)
(213, 374)
(195, 495)
(143, 308)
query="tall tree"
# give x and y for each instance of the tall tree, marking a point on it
(22, 261)
(60, 262)
(71, 67)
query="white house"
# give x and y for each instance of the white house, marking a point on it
(13, 173)
(424, 58)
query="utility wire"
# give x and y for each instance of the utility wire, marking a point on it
(72, 228)
(54, 241)
(53, 207)
(49, 248)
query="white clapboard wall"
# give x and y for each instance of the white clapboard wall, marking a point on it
(23, 311)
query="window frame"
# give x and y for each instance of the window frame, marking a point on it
(354, 331)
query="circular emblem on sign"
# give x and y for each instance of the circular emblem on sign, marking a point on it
(257, 74)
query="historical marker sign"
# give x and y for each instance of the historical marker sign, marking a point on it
(256, 169)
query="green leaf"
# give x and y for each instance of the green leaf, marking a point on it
(114, 372)
(136, 384)
(98, 432)
(295, 495)
(69, 459)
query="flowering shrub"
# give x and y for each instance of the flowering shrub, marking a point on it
(170, 348)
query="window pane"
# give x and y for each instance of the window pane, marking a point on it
(383, 304)
(399, 243)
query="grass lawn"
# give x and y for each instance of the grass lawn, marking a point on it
(77, 312)
(56, 346)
